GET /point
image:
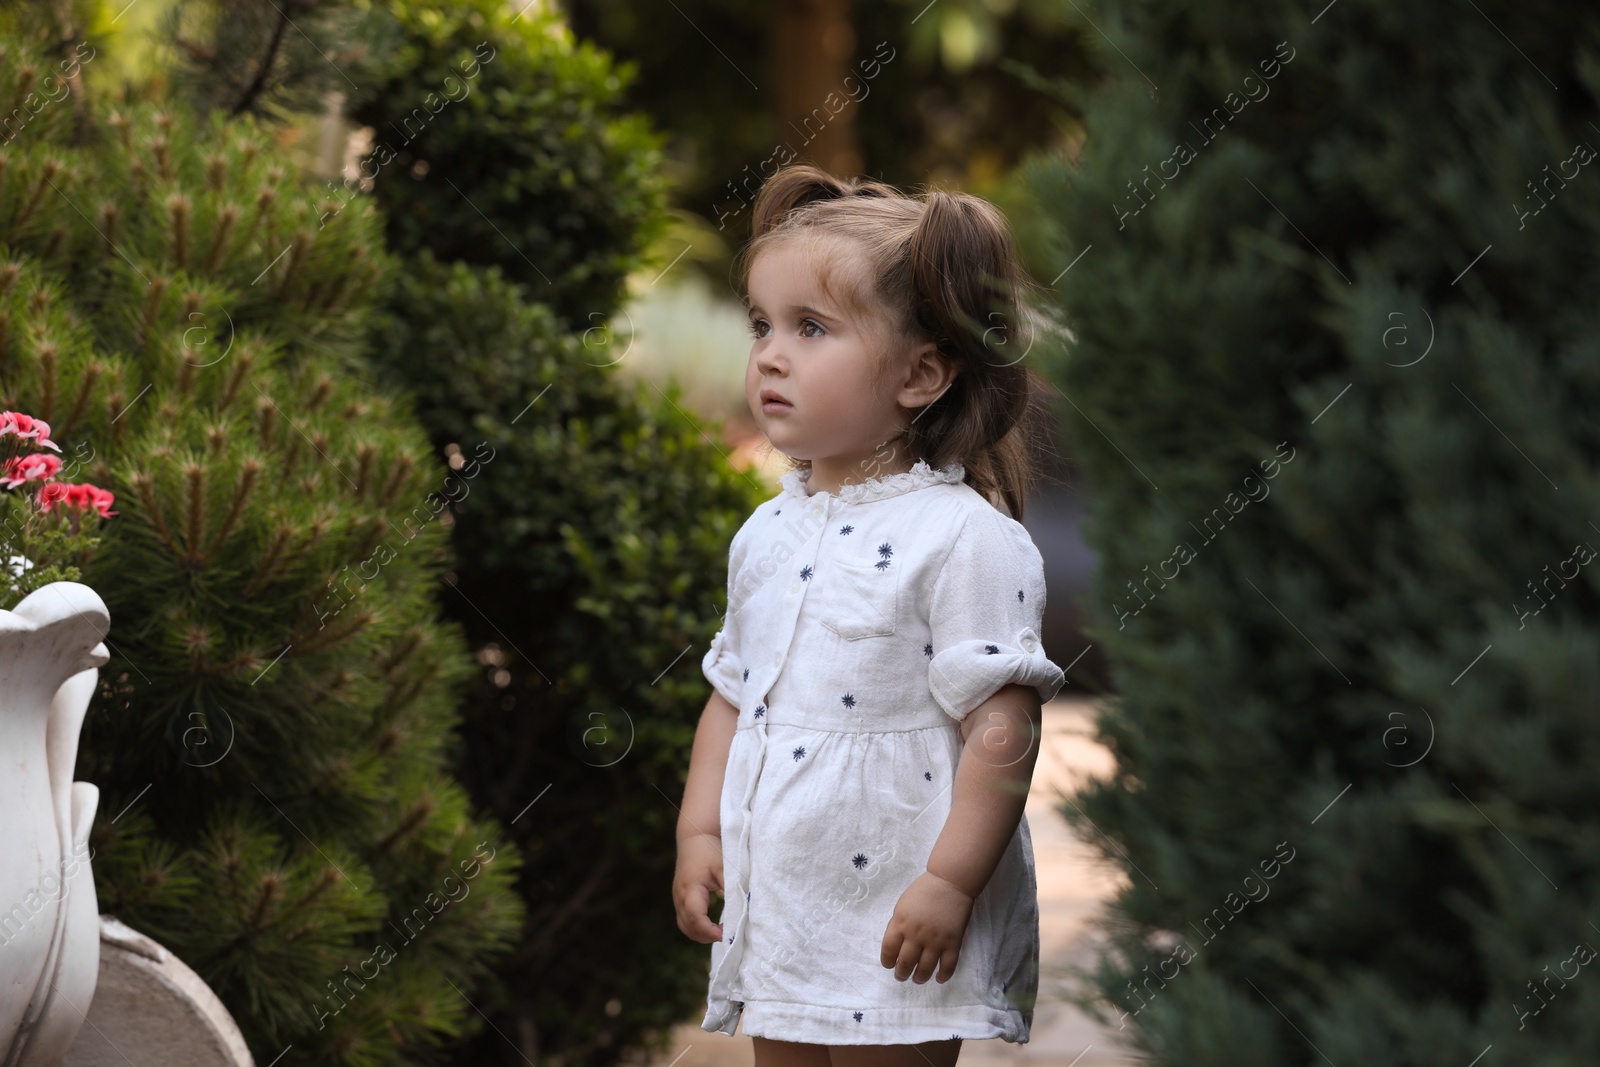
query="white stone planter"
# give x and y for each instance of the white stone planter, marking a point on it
(51, 652)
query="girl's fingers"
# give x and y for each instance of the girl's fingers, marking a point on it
(889, 954)
(908, 959)
(694, 916)
(926, 965)
(947, 964)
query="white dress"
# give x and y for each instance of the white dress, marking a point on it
(861, 627)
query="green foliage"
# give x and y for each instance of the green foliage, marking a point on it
(270, 737)
(592, 535)
(499, 142)
(1368, 262)
(266, 58)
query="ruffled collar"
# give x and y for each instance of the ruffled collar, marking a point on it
(920, 476)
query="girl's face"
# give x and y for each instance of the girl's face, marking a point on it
(821, 361)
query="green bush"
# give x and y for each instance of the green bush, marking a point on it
(1356, 725)
(592, 548)
(271, 735)
(498, 141)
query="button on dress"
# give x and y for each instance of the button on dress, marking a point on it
(861, 628)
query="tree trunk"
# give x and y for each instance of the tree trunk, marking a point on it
(813, 44)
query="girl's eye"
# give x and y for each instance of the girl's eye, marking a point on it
(756, 325)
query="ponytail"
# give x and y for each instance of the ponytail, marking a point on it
(968, 283)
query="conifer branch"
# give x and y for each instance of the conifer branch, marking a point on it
(178, 209)
(195, 475)
(297, 254)
(410, 691)
(258, 84)
(270, 563)
(91, 378)
(109, 217)
(241, 494)
(242, 365)
(216, 171)
(331, 635)
(226, 217)
(263, 204)
(49, 170)
(364, 457)
(391, 491)
(267, 413)
(152, 311)
(402, 652)
(144, 486)
(418, 816)
(25, 76)
(46, 353)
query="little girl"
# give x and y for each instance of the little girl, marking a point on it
(859, 773)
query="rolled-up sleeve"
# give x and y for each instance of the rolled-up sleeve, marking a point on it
(721, 664)
(986, 614)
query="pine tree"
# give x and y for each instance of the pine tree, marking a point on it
(1333, 392)
(270, 741)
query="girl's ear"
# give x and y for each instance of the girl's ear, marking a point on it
(930, 372)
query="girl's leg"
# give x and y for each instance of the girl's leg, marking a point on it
(771, 1053)
(926, 1054)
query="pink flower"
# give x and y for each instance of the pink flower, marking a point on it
(83, 497)
(28, 427)
(39, 466)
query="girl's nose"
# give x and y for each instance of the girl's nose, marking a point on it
(769, 358)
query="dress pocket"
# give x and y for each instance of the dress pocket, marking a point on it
(862, 600)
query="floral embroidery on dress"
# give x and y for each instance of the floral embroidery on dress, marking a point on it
(845, 531)
(799, 753)
(1020, 597)
(993, 650)
(849, 700)
(885, 551)
(927, 650)
(806, 572)
(856, 1016)
(860, 860)
(928, 775)
(761, 709)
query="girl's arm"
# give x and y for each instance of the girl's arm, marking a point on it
(1000, 747)
(1000, 739)
(701, 814)
(699, 867)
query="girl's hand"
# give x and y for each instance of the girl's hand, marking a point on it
(926, 929)
(699, 872)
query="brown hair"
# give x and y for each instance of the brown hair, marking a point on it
(941, 267)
